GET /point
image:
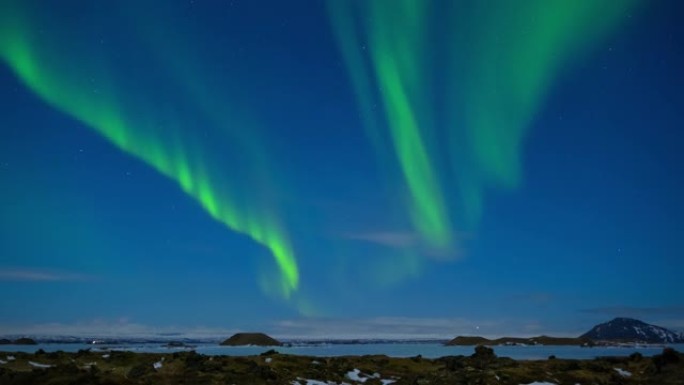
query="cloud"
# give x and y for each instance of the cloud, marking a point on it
(407, 240)
(538, 298)
(670, 317)
(405, 328)
(394, 239)
(301, 328)
(40, 275)
(122, 328)
(636, 311)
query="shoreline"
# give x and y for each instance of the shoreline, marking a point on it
(399, 350)
(271, 367)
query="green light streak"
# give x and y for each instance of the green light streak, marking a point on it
(428, 211)
(502, 58)
(519, 48)
(106, 117)
(395, 37)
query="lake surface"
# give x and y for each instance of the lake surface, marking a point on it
(427, 350)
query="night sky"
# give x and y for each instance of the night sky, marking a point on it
(347, 168)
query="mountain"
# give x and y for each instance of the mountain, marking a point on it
(632, 330)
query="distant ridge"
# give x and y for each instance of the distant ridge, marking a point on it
(540, 340)
(631, 330)
(259, 339)
(20, 341)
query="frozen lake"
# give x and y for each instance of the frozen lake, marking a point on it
(406, 349)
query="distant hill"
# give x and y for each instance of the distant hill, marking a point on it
(259, 339)
(541, 340)
(20, 341)
(632, 330)
(469, 341)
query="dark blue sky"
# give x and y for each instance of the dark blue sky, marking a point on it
(258, 100)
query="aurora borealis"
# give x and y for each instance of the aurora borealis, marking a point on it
(169, 157)
(362, 158)
(517, 56)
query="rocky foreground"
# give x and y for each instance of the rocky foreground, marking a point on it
(483, 367)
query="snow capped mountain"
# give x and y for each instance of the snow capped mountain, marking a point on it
(628, 329)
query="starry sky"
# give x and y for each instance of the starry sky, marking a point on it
(351, 168)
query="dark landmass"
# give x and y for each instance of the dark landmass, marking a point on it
(615, 332)
(541, 340)
(99, 341)
(258, 339)
(632, 330)
(483, 367)
(19, 341)
(469, 341)
(178, 344)
(362, 341)
(95, 340)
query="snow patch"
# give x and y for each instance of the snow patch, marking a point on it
(354, 375)
(310, 382)
(623, 373)
(387, 381)
(539, 383)
(10, 358)
(314, 382)
(39, 365)
(105, 356)
(268, 360)
(158, 365)
(3, 362)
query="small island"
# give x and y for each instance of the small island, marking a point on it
(256, 339)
